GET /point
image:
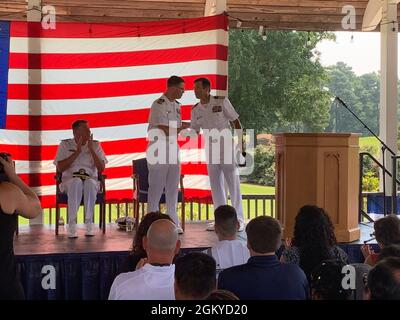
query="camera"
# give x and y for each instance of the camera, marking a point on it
(3, 176)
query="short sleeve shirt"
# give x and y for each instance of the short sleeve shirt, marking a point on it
(83, 161)
(214, 115)
(164, 112)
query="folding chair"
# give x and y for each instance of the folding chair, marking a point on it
(62, 198)
(141, 187)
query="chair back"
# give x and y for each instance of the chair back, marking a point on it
(140, 168)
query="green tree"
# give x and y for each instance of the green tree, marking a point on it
(277, 84)
(360, 93)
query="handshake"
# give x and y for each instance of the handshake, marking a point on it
(185, 131)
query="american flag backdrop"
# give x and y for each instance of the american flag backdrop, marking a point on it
(108, 74)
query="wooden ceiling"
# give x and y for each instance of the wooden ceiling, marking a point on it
(310, 15)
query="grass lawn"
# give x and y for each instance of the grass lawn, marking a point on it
(256, 189)
(248, 206)
(369, 141)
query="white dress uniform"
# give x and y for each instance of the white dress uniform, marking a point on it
(75, 187)
(217, 114)
(148, 283)
(164, 175)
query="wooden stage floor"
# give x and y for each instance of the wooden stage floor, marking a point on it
(38, 240)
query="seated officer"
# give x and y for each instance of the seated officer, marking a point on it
(80, 160)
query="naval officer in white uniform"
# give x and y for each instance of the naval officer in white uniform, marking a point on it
(80, 159)
(218, 113)
(165, 123)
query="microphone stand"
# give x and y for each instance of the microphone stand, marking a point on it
(385, 147)
(383, 150)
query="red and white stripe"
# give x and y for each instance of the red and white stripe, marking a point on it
(108, 74)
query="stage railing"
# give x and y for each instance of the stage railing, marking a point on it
(253, 206)
(385, 173)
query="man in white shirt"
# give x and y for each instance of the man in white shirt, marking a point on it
(155, 280)
(165, 123)
(217, 116)
(80, 160)
(229, 251)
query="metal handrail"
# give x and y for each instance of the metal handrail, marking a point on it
(394, 184)
(385, 171)
(378, 163)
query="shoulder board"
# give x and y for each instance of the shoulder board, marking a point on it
(195, 105)
(177, 102)
(95, 140)
(160, 101)
(219, 97)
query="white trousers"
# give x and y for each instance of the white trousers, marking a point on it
(164, 177)
(217, 173)
(76, 188)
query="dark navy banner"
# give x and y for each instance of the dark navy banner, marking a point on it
(4, 54)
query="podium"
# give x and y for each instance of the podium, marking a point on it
(319, 169)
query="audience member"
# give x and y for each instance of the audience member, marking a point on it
(221, 295)
(314, 240)
(383, 282)
(16, 198)
(263, 277)
(137, 253)
(326, 282)
(387, 232)
(229, 251)
(155, 279)
(195, 276)
(392, 251)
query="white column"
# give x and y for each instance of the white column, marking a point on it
(214, 7)
(388, 98)
(34, 14)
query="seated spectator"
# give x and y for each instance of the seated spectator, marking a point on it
(137, 253)
(387, 232)
(155, 279)
(392, 251)
(229, 251)
(362, 270)
(221, 295)
(314, 241)
(195, 276)
(16, 199)
(326, 282)
(383, 282)
(263, 277)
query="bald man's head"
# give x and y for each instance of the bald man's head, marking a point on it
(162, 236)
